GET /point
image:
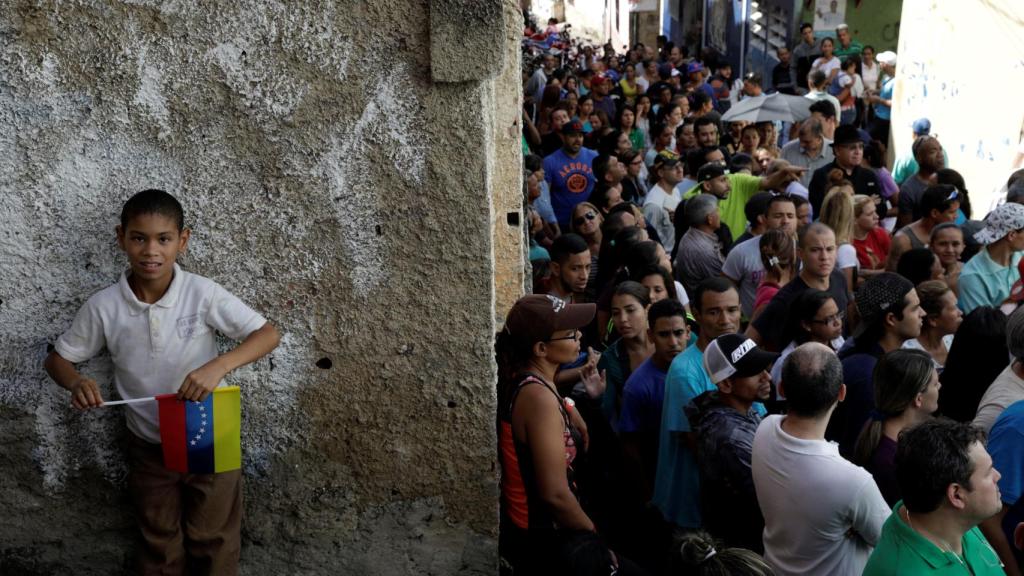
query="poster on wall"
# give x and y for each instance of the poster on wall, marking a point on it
(718, 25)
(828, 14)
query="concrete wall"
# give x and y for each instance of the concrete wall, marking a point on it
(337, 162)
(936, 78)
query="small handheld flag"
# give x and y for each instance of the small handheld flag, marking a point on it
(202, 437)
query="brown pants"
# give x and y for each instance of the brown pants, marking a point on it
(190, 523)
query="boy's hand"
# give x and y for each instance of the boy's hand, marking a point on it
(201, 381)
(85, 394)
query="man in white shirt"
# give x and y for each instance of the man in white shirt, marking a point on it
(823, 515)
(663, 198)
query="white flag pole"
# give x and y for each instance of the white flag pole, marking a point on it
(132, 401)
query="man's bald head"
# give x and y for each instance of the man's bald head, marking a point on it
(812, 378)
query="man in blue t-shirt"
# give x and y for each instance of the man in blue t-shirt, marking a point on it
(569, 173)
(644, 391)
(716, 308)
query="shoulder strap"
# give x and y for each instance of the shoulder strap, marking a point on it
(534, 379)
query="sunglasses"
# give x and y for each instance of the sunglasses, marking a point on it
(586, 216)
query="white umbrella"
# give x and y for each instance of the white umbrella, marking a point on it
(770, 107)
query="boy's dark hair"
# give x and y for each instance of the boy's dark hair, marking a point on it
(666, 308)
(697, 158)
(600, 166)
(930, 457)
(565, 246)
(717, 284)
(805, 26)
(811, 379)
(824, 107)
(698, 100)
(798, 200)
(599, 196)
(741, 161)
(916, 265)
(153, 201)
(533, 162)
(757, 205)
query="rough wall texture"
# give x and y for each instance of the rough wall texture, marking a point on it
(332, 182)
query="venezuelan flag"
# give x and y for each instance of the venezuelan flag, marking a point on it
(202, 437)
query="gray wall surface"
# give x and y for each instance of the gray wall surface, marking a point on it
(336, 161)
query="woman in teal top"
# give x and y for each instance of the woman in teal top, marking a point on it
(630, 302)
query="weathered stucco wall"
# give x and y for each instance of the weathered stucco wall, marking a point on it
(336, 160)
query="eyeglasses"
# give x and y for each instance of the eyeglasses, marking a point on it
(830, 319)
(575, 336)
(586, 216)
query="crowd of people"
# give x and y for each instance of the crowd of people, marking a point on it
(754, 348)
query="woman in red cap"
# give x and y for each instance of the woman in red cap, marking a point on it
(539, 432)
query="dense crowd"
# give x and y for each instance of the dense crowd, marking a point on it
(754, 347)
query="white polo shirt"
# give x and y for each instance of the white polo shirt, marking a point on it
(154, 346)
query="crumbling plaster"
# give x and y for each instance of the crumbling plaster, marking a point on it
(347, 168)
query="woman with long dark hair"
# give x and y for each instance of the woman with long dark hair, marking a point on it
(977, 356)
(906, 393)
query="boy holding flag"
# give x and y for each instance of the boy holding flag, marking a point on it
(158, 324)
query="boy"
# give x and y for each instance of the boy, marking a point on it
(158, 324)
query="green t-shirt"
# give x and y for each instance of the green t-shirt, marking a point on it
(731, 209)
(902, 551)
(844, 53)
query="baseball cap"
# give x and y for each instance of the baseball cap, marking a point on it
(666, 157)
(537, 316)
(598, 80)
(572, 126)
(922, 127)
(878, 296)
(694, 67)
(846, 134)
(887, 57)
(1004, 219)
(711, 170)
(735, 355)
